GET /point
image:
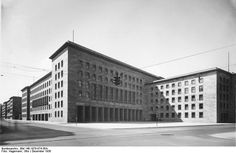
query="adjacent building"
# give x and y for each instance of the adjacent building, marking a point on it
(25, 103)
(204, 96)
(4, 110)
(12, 108)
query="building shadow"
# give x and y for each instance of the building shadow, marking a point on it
(14, 131)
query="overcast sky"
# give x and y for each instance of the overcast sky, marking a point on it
(138, 32)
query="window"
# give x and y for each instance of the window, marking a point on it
(173, 100)
(55, 104)
(173, 92)
(179, 115)
(193, 98)
(87, 65)
(186, 83)
(61, 93)
(179, 99)
(61, 83)
(186, 107)
(94, 67)
(201, 106)
(62, 63)
(80, 83)
(167, 108)
(193, 89)
(167, 93)
(179, 91)
(80, 93)
(161, 115)
(94, 77)
(173, 85)
(55, 86)
(55, 95)
(193, 107)
(55, 67)
(173, 115)
(193, 114)
(200, 97)
(61, 73)
(62, 103)
(186, 115)
(186, 90)
(179, 107)
(58, 104)
(200, 114)
(167, 115)
(167, 86)
(161, 87)
(186, 98)
(167, 100)
(58, 65)
(201, 88)
(61, 113)
(179, 84)
(55, 76)
(173, 107)
(193, 82)
(200, 80)
(55, 114)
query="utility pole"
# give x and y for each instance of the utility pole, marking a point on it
(228, 62)
(73, 35)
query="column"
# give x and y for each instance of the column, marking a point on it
(83, 113)
(108, 114)
(118, 114)
(90, 113)
(96, 111)
(135, 119)
(102, 114)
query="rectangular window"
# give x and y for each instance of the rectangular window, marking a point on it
(201, 106)
(58, 65)
(179, 84)
(193, 89)
(193, 107)
(62, 103)
(186, 107)
(61, 113)
(173, 85)
(167, 93)
(179, 91)
(186, 83)
(193, 82)
(61, 73)
(55, 67)
(179, 107)
(186, 90)
(173, 100)
(173, 115)
(179, 115)
(193, 98)
(186, 98)
(186, 115)
(200, 97)
(201, 88)
(200, 80)
(62, 63)
(167, 115)
(193, 115)
(173, 92)
(179, 99)
(200, 114)
(61, 83)
(167, 86)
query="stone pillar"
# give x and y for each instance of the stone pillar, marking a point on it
(118, 114)
(102, 114)
(90, 113)
(96, 114)
(108, 114)
(131, 115)
(135, 119)
(83, 112)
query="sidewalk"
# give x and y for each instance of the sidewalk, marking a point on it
(122, 125)
(126, 125)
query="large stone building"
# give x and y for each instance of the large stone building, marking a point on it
(4, 110)
(204, 96)
(81, 88)
(86, 86)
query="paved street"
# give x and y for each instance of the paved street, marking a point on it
(37, 134)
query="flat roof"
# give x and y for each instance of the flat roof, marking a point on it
(190, 74)
(39, 80)
(92, 52)
(25, 88)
